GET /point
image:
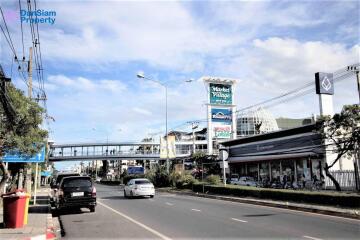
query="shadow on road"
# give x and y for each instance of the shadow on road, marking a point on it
(259, 215)
(122, 198)
(39, 209)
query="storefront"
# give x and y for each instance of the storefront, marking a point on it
(293, 154)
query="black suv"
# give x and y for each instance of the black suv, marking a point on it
(56, 183)
(76, 192)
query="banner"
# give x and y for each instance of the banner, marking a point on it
(171, 147)
(220, 94)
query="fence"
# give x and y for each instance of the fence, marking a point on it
(345, 178)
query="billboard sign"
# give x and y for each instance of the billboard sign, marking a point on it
(171, 147)
(324, 83)
(221, 115)
(135, 170)
(220, 94)
(222, 131)
(18, 158)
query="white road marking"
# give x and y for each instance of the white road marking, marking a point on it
(312, 238)
(196, 210)
(239, 220)
(162, 236)
(276, 208)
(170, 204)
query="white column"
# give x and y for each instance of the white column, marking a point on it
(209, 131)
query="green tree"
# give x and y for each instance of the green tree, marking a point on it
(24, 133)
(343, 131)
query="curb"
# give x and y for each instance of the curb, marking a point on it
(287, 205)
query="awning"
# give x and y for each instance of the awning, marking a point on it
(272, 157)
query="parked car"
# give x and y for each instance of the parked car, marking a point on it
(56, 182)
(139, 187)
(76, 191)
(245, 181)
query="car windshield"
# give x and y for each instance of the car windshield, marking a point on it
(142, 181)
(77, 182)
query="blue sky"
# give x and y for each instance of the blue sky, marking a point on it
(95, 48)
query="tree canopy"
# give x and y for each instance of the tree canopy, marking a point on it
(343, 132)
(26, 135)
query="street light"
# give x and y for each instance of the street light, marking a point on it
(141, 75)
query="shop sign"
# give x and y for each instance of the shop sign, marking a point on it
(221, 115)
(324, 83)
(222, 131)
(220, 94)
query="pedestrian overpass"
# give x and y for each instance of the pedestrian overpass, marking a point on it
(117, 151)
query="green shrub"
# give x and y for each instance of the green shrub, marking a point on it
(185, 181)
(174, 178)
(322, 198)
(213, 179)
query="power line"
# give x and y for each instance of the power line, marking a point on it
(22, 34)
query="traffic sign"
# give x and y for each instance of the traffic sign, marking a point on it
(18, 158)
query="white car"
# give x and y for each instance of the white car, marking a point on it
(139, 187)
(245, 181)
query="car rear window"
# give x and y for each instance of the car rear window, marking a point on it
(142, 182)
(60, 177)
(77, 182)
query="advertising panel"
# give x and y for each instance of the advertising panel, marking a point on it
(222, 131)
(220, 94)
(135, 170)
(221, 115)
(171, 147)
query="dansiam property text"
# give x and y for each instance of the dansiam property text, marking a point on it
(38, 16)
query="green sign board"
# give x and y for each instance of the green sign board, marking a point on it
(220, 94)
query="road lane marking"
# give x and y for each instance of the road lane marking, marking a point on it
(312, 238)
(162, 236)
(196, 210)
(239, 220)
(170, 204)
(252, 205)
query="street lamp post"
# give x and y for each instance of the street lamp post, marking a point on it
(141, 75)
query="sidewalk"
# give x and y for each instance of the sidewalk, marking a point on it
(327, 210)
(40, 222)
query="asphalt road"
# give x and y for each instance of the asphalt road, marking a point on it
(170, 216)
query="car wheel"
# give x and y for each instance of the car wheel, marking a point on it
(125, 196)
(151, 196)
(131, 194)
(92, 209)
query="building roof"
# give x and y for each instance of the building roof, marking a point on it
(271, 135)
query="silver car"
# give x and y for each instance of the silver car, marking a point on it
(139, 187)
(245, 181)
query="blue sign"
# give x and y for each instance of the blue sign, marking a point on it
(18, 158)
(135, 170)
(46, 174)
(221, 115)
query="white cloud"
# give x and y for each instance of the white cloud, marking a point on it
(142, 111)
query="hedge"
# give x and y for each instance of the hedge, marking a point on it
(323, 198)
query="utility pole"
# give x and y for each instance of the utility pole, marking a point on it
(194, 125)
(355, 69)
(29, 171)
